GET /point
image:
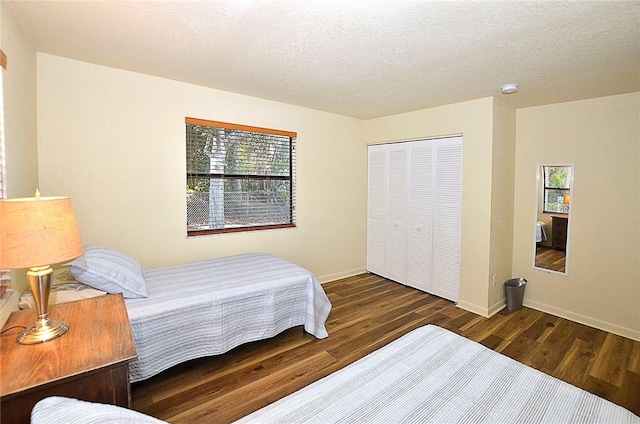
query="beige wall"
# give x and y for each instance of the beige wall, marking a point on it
(474, 121)
(19, 93)
(601, 137)
(19, 106)
(502, 185)
(114, 141)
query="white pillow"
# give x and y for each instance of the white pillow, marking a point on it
(109, 270)
(61, 410)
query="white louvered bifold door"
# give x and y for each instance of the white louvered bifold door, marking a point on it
(420, 215)
(377, 209)
(397, 212)
(447, 220)
(414, 214)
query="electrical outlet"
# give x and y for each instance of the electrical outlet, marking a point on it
(494, 279)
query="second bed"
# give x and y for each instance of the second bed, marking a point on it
(209, 307)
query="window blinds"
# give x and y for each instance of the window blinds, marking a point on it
(238, 177)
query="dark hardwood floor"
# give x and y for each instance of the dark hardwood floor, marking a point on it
(369, 312)
(549, 258)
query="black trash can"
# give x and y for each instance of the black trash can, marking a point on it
(514, 292)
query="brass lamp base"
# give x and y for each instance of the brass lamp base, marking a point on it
(42, 331)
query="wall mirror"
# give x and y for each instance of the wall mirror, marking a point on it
(552, 224)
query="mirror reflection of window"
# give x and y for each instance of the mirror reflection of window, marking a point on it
(557, 189)
(551, 238)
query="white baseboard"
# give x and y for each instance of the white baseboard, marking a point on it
(338, 275)
(480, 310)
(583, 319)
(500, 305)
(472, 307)
(497, 307)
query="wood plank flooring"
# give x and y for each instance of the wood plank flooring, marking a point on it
(369, 312)
(550, 259)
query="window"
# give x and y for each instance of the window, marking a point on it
(557, 184)
(239, 178)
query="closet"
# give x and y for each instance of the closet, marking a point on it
(414, 214)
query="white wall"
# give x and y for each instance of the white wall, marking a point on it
(114, 141)
(601, 137)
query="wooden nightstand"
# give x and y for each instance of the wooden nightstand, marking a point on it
(559, 231)
(89, 362)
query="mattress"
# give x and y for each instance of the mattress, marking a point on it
(209, 307)
(432, 375)
(541, 233)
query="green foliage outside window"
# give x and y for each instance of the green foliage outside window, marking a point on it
(557, 184)
(238, 178)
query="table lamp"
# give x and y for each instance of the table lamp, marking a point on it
(34, 233)
(566, 200)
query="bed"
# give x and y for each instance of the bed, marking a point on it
(209, 307)
(541, 232)
(198, 309)
(429, 375)
(432, 375)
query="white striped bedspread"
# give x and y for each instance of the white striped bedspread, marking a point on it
(432, 375)
(209, 307)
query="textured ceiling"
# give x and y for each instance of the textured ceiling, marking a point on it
(364, 59)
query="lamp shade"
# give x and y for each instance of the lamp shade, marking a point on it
(37, 231)
(566, 199)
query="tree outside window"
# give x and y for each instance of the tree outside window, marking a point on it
(239, 178)
(557, 189)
